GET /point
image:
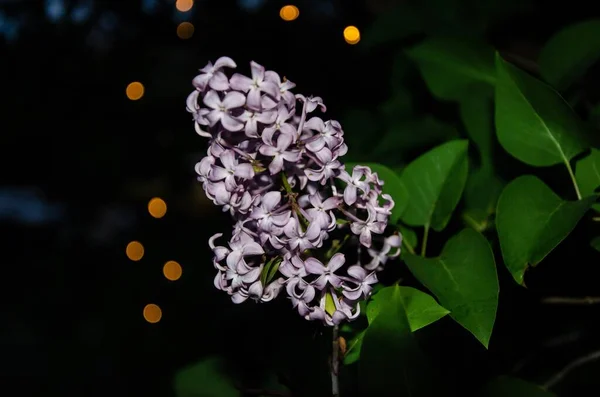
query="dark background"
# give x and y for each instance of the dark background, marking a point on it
(80, 162)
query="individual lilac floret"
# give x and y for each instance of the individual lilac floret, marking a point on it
(302, 223)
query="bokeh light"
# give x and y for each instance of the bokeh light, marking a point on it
(289, 13)
(135, 90)
(184, 5)
(172, 271)
(185, 30)
(351, 34)
(152, 313)
(157, 207)
(135, 251)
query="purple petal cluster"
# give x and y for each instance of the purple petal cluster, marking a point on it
(302, 224)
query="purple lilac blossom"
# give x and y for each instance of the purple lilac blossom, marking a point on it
(274, 168)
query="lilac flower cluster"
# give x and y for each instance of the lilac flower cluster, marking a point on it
(278, 172)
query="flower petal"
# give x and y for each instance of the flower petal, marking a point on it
(314, 123)
(201, 81)
(332, 203)
(240, 82)
(357, 272)
(254, 99)
(211, 99)
(224, 62)
(201, 132)
(313, 231)
(191, 101)
(252, 248)
(336, 262)
(256, 289)
(271, 89)
(230, 123)
(288, 129)
(234, 99)
(276, 165)
(244, 170)
(228, 159)
(314, 266)
(283, 142)
(273, 77)
(350, 194)
(316, 145)
(258, 71)
(270, 200)
(365, 237)
(218, 173)
(267, 116)
(219, 82)
(239, 297)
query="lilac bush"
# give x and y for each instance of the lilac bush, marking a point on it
(302, 223)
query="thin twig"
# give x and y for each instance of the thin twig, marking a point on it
(572, 175)
(595, 355)
(265, 392)
(335, 363)
(408, 246)
(558, 300)
(424, 243)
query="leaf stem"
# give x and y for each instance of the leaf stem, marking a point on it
(473, 223)
(587, 300)
(424, 244)
(335, 362)
(595, 355)
(408, 246)
(292, 197)
(336, 247)
(572, 175)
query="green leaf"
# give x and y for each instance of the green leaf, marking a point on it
(483, 185)
(402, 72)
(203, 379)
(532, 220)
(410, 135)
(505, 386)
(595, 243)
(360, 126)
(399, 106)
(421, 308)
(568, 53)
(464, 280)
(266, 270)
(594, 116)
(435, 181)
(476, 112)
(409, 239)
(481, 196)
(273, 270)
(353, 348)
(450, 65)
(329, 304)
(273, 385)
(391, 363)
(533, 122)
(392, 185)
(587, 174)
(397, 24)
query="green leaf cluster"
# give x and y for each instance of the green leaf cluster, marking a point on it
(482, 188)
